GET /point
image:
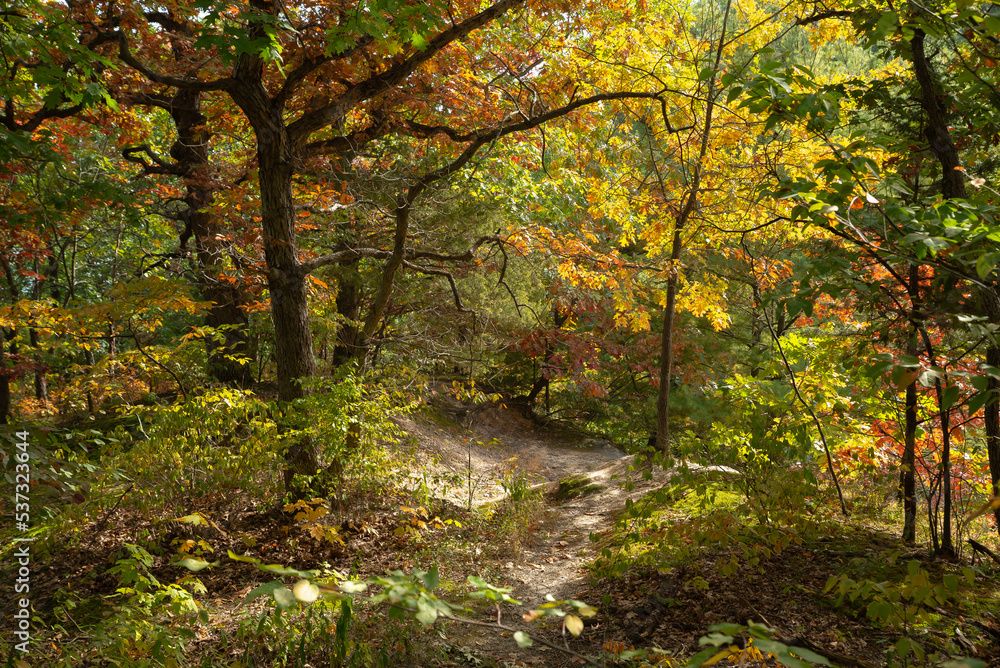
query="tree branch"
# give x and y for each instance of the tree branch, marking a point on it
(126, 56)
(384, 81)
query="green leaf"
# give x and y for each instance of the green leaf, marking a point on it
(426, 611)
(701, 657)
(430, 578)
(964, 662)
(762, 630)
(810, 656)
(349, 587)
(727, 628)
(523, 639)
(985, 264)
(716, 639)
(278, 569)
(790, 661)
(950, 582)
(978, 401)
(770, 646)
(949, 396)
(283, 597)
(305, 591)
(265, 589)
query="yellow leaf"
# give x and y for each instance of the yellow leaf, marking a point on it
(574, 624)
(732, 649)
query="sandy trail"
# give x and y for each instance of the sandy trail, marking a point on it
(495, 440)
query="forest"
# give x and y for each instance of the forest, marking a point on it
(499, 333)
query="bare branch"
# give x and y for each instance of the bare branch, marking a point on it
(439, 272)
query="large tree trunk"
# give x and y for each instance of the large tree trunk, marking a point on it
(287, 285)
(228, 310)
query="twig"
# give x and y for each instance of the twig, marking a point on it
(142, 351)
(497, 625)
(819, 427)
(102, 523)
(501, 627)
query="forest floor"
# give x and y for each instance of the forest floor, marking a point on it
(667, 610)
(521, 505)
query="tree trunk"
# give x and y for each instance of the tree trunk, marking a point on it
(666, 346)
(952, 187)
(909, 466)
(227, 314)
(4, 380)
(992, 419)
(666, 342)
(348, 307)
(991, 411)
(947, 548)
(558, 319)
(909, 461)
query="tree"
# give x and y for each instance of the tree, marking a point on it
(900, 197)
(333, 81)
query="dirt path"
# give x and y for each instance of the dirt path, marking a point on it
(494, 440)
(647, 609)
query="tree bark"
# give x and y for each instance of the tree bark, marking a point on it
(666, 343)
(938, 136)
(4, 380)
(202, 233)
(910, 430)
(952, 187)
(991, 411)
(348, 303)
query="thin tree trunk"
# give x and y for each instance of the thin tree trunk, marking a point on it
(666, 341)
(4, 380)
(909, 460)
(909, 465)
(952, 187)
(666, 344)
(558, 319)
(947, 547)
(992, 419)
